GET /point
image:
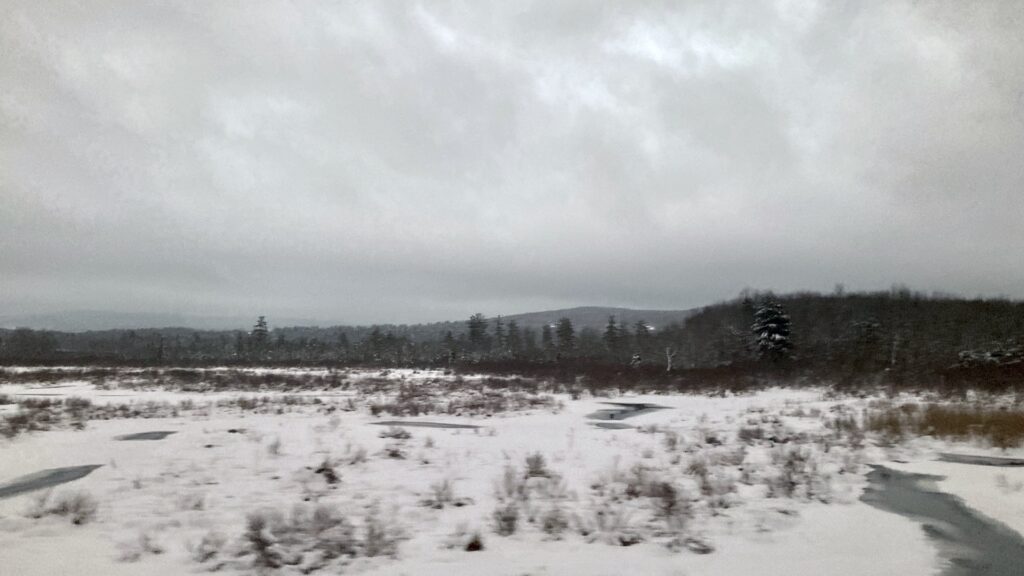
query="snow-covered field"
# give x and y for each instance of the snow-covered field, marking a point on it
(764, 483)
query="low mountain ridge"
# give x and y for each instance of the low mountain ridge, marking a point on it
(96, 321)
(597, 317)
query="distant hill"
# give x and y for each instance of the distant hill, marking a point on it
(597, 317)
(89, 320)
(86, 320)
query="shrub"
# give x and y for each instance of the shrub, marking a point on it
(260, 539)
(333, 535)
(357, 456)
(554, 522)
(798, 475)
(750, 434)
(274, 448)
(144, 544)
(307, 539)
(441, 494)
(32, 415)
(506, 519)
(536, 466)
(671, 441)
(609, 521)
(637, 481)
(511, 485)
(80, 507)
(326, 469)
(475, 544)
(396, 433)
(463, 538)
(381, 537)
(208, 547)
(668, 502)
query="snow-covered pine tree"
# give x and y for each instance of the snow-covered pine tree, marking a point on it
(772, 331)
(566, 336)
(478, 339)
(611, 338)
(260, 333)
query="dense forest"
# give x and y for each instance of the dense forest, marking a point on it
(897, 336)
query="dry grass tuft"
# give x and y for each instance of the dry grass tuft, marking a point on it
(1002, 427)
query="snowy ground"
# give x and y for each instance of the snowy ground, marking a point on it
(779, 499)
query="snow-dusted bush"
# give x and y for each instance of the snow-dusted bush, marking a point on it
(442, 493)
(307, 539)
(262, 530)
(465, 539)
(475, 543)
(208, 547)
(511, 485)
(396, 433)
(355, 455)
(143, 544)
(381, 535)
(394, 451)
(274, 448)
(671, 441)
(846, 429)
(506, 518)
(32, 415)
(80, 507)
(608, 521)
(750, 434)
(536, 466)
(554, 522)
(669, 503)
(328, 471)
(798, 475)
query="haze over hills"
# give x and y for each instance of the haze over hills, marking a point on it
(597, 316)
(93, 320)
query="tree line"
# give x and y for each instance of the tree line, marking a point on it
(897, 336)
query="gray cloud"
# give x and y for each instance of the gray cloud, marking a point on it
(389, 161)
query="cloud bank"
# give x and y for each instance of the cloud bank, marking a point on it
(394, 161)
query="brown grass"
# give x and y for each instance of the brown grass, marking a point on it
(1003, 427)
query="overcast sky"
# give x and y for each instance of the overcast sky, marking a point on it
(401, 161)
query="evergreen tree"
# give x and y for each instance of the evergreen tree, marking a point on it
(23, 343)
(589, 344)
(547, 341)
(566, 336)
(500, 338)
(373, 345)
(612, 338)
(449, 344)
(530, 349)
(772, 331)
(342, 344)
(239, 344)
(514, 340)
(477, 325)
(642, 337)
(260, 335)
(195, 347)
